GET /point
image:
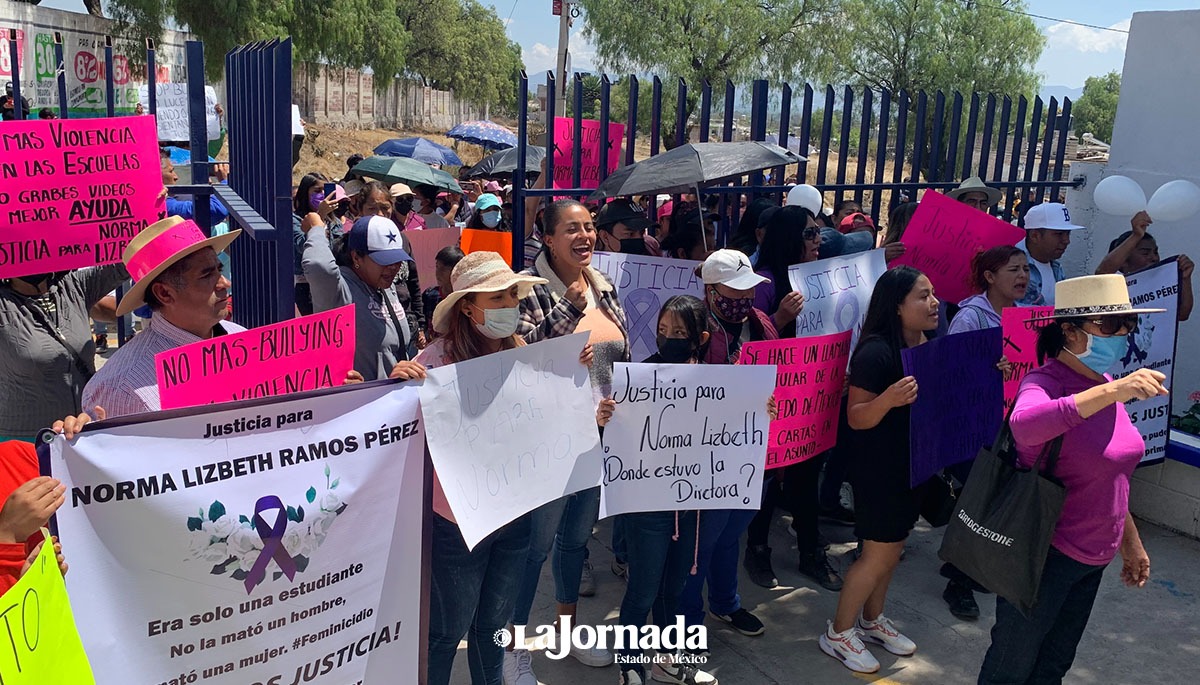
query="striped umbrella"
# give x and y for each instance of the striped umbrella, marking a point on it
(486, 133)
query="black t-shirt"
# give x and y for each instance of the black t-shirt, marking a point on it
(883, 449)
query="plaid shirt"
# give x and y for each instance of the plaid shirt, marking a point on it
(546, 314)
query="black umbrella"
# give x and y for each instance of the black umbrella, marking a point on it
(505, 162)
(689, 166)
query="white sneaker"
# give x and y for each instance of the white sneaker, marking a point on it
(594, 657)
(587, 580)
(518, 668)
(882, 631)
(680, 674)
(849, 649)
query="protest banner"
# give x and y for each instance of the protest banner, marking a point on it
(589, 157)
(73, 193)
(810, 375)
(252, 546)
(1152, 347)
(686, 436)
(958, 407)
(511, 431)
(425, 244)
(944, 236)
(837, 292)
(1020, 327)
(171, 111)
(43, 642)
(306, 353)
(643, 285)
(480, 240)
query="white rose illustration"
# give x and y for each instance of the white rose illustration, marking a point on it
(293, 541)
(224, 525)
(242, 540)
(330, 502)
(198, 544)
(321, 524)
(246, 561)
(216, 553)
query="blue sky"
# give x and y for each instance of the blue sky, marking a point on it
(1072, 52)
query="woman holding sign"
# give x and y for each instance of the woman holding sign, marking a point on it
(903, 310)
(1072, 398)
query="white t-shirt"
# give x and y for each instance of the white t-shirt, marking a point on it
(1047, 280)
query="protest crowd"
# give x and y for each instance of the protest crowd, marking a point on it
(425, 272)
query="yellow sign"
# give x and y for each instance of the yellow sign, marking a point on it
(38, 641)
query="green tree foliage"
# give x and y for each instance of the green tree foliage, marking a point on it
(1096, 110)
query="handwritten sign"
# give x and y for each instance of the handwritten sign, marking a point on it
(958, 402)
(810, 375)
(307, 353)
(590, 156)
(425, 245)
(1020, 326)
(944, 236)
(73, 193)
(44, 645)
(480, 240)
(511, 431)
(171, 111)
(643, 285)
(837, 292)
(686, 436)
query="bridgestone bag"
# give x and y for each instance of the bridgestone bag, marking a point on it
(1001, 530)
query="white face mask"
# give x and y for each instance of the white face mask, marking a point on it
(499, 323)
(417, 205)
(491, 219)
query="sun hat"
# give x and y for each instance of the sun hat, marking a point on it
(623, 211)
(480, 272)
(339, 194)
(378, 238)
(493, 187)
(486, 201)
(156, 248)
(1052, 216)
(730, 268)
(975, 185)
(1086, 296)
(399, 190)
(354, 186)
(855, 221)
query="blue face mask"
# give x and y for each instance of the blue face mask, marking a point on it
(1101, 352)
(491, 219)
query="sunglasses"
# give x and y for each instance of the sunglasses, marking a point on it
(1116, 325)
(810, 233)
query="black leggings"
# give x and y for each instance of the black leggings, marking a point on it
(797, 493)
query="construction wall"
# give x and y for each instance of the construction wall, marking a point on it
(347, 97)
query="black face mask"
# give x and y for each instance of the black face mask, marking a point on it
(674, 350)
(634, 246)
(404, 206)
(36, 280)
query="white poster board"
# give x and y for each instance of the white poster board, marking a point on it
(836, 293)
(171, 111)
(643, 285)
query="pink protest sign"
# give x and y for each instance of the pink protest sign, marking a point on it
(1020, 345)
(589, 159)
(307, 353)
(73, 193)
(426, 244)
(944, 236)
(810, 375)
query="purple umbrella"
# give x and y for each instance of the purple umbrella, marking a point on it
(486, 133)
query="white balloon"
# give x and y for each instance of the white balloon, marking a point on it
(1120, 196)
(805, 196)
(1174, 201)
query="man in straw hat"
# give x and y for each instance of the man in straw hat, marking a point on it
(974, 193)
(176, 272)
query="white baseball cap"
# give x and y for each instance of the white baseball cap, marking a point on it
(1050, 215)
(378, 238)
(730, 268)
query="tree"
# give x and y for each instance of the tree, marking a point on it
(1096, 110)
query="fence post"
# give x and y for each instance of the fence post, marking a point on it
(518, 181)
(198, 128)
(14, 59)
(151, 76)
(60, 76)
(605, 143)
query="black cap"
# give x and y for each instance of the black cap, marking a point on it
(625, 212)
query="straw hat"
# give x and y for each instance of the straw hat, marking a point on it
(480, 272)
(975, 185)
(1089, 296)
(156, 248)
(400, 190)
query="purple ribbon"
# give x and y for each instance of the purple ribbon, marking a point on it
(641, 316)
(272, 537)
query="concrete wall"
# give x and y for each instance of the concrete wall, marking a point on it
(1155, 141)
(348, 97)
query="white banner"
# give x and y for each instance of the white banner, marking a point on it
(836, 293)
(250, 545)
(1152, 347)
(171, 111)
(511, 431)
(686, 436)
(643, 285)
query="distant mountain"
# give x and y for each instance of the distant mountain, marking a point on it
(1059, 92)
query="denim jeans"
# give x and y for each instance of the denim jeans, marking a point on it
(564, 525)
(471, 594)
(658, 566)
(1039, 650)
(716, 562)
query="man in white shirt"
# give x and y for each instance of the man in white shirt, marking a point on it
(1047, 234)
(425, 204)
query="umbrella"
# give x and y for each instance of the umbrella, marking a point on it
(404, 170)
(505, 162)
(689, 166)
(181, 156)
(419, 149)
(491, 135)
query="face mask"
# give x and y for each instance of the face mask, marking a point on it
(1101, 352)
(634, 246)
(491, 219)
(404, 206)
(36, 280)
(314, 201)
(674, 350)
(418, 205)
(732, 310)
(499, 323)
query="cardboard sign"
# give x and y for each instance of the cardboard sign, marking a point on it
(944, 236)
(590, 155)
(1020, 326)
(425, 245)
(307, 353)
(480, 240)
(171, 111)
(810, 375)
(686, 436)
(644, 284)
(837, 292)
(73, 193)
(958, 407)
